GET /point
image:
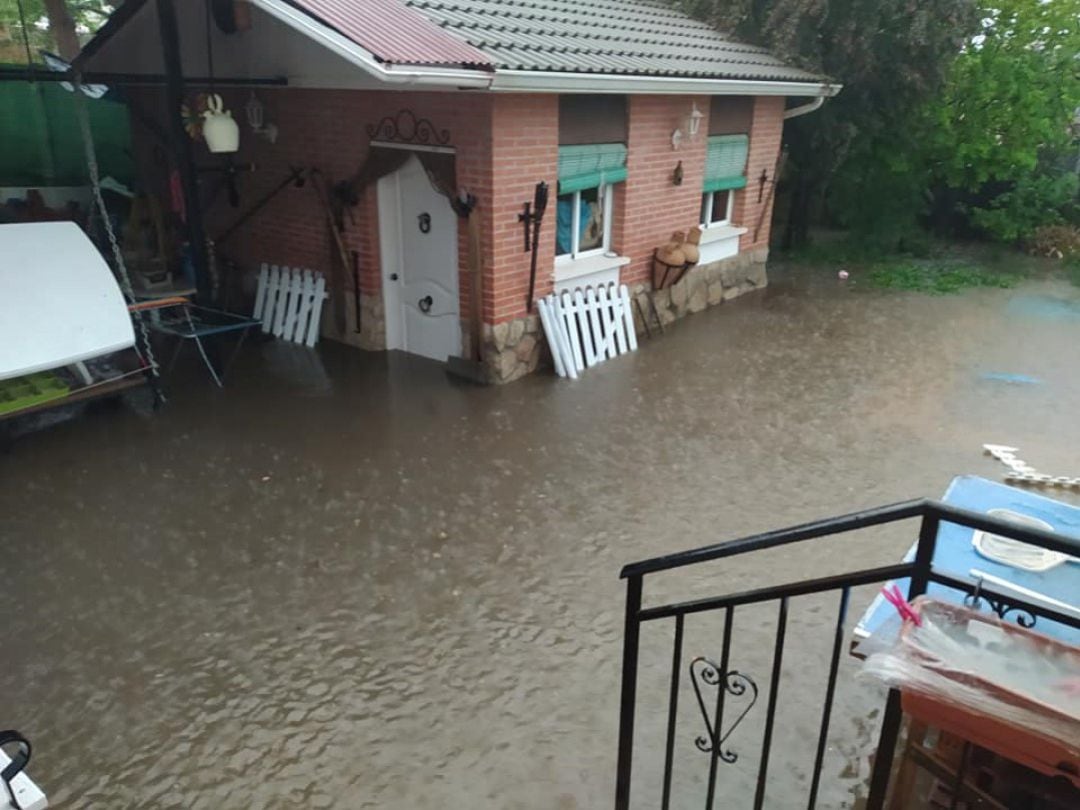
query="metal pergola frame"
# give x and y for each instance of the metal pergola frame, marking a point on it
(174, 83)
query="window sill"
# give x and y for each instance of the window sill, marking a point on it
(717, 232)
(590, 271)
(570, 269)
(719, 242)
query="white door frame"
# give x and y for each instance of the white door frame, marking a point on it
(391, 256)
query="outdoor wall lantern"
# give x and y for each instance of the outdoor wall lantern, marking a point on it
(693, 121)
(692, 124)
(256, 118)
(219, 130)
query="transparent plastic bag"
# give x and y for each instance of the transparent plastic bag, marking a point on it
(971, 661)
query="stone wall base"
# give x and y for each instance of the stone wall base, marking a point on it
(515, 348)
(703, 286)
(512, 348)
(372, 334)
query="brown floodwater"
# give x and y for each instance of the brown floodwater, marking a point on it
(354, 584)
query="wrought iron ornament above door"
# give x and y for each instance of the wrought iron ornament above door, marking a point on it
(405, 127)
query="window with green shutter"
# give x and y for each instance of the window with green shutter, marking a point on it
(591, 165)
(584, 202)
(725, 162)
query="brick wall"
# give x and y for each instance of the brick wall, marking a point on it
(649, 207)
(766, 133)
(525, 150)
(505, 144)
(324, 129)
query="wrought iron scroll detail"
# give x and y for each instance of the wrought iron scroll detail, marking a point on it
(705, 672)
(405, 127)
(1024, 618)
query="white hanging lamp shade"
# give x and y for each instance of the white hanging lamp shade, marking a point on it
(220, 130)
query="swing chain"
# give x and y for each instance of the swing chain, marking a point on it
(95, 184)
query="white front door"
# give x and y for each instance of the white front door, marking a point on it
(419, 248)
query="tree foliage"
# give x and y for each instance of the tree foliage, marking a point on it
(41, 22)
(1010, 96)
(889, 56)
(993, 151)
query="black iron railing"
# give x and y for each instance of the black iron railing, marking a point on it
(707, 675)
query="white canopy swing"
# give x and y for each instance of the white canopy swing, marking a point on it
(62, 306)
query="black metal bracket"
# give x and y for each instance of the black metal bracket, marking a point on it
(733, 683)
(667, 275)
(763, 180)
(1001, 608)
(463, 204)
(531, 217)
(405, 127)
(526, 218)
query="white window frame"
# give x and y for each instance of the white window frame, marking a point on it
(710, 199)
(606, 197)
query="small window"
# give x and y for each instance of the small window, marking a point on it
(716, 207)
(591, 210)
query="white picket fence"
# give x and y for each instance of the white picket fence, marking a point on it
(289, 302)
(587, 327)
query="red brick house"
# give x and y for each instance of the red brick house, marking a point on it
(640, 120)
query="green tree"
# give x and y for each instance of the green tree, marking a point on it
(53, 25)
(997, 141)
(993, 151)
(890, 55)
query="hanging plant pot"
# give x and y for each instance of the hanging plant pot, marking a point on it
(221, 132)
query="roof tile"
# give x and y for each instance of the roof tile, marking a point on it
(394, 32)
(639, 37)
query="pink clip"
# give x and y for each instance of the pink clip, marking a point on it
(903, 607)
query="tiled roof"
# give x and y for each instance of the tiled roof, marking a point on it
(639, 37)
(395, 33)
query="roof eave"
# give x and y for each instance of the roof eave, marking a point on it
(427, 76)
(541, 81)
(336, 42)
(482, 77)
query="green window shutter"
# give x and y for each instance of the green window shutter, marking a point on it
(725, 162)
(591, 165)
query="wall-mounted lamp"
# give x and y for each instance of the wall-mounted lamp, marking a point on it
(693, 121)
(256, 119)
(692, 126)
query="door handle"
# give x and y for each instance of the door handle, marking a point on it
(393, 276)
(425, 304)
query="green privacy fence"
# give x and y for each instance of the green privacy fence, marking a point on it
(40, 143)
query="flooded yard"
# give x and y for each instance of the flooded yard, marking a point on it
(366, 586)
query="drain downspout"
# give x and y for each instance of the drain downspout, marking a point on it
(803, 109)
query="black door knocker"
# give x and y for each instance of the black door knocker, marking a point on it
(425, 222)
(425, 304)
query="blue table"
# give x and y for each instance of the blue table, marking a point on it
(955, 555)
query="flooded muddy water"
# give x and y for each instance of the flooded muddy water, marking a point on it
(358, 585)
